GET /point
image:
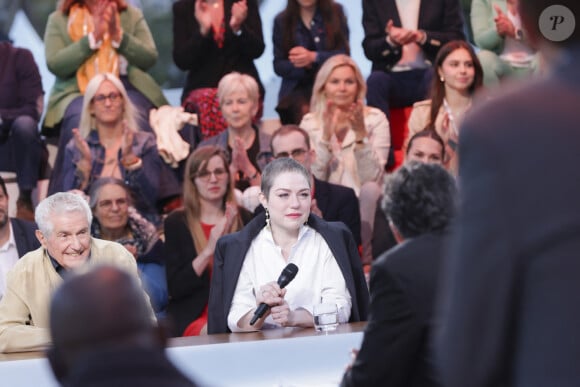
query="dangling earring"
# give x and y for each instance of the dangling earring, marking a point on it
(267, 218)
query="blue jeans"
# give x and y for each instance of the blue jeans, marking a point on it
(154, 282)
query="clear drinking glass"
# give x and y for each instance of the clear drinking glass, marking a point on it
(325, 316)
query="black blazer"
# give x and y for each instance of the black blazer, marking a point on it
(338, 204)
(442, 20)
(231, 251)
(188, 292)
(200, 56)
(24, 235)
(510, 314)
(403, 285)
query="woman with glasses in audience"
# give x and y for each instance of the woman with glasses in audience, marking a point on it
(115, 219)
(87, 37)
(209, 211)
(248, 262)
(351, 140)
(108, 143)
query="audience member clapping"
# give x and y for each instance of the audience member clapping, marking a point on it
(305, 34)
(209, 211)
(351, 140)
(108, 142)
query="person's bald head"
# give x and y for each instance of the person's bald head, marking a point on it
(101, 308)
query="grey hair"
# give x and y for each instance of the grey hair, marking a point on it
(235, 81)
(277, 167)
(59, 203)
(101, 182)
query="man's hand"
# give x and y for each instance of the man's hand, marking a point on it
(503, 25)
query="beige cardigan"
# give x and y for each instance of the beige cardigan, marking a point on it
(24, 309)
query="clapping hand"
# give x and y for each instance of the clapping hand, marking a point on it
(84, 165)
(355, 117)
(330, 118)
(239, 14)
(402, 36)
(301, 57)
(222, 227)
(101, 13)
(203, 16)
(503, 25)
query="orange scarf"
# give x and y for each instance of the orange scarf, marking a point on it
(104, 60)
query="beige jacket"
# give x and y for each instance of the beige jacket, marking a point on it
(24, 309)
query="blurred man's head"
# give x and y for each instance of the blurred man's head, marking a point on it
(100, 309)
(292, 141)
(419, 198)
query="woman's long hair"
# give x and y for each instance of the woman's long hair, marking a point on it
(87, 121)
(318, 100)
(438, 86)
(65, 5)
(197, 162)
(331, 17)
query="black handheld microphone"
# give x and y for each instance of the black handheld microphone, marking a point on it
(286, 276)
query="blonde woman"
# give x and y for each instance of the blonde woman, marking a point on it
(351, 140)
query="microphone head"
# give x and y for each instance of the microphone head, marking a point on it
(287, 275)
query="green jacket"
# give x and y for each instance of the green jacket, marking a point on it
(485, 35)
(64, 57)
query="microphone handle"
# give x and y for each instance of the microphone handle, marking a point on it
(260, 311)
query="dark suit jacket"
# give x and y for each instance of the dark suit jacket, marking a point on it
(403, 284)
(200, 56)
(510, 309)
(338, 204)
(188, 292)
(24, 235)
(440, 19)
(231, 251)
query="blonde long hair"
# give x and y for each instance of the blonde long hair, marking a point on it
(197, 162)
(87, 121)
(318, 100)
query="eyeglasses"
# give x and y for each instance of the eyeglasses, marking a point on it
(107, 204)
(219, 173)
(296, 154)
(101, 98)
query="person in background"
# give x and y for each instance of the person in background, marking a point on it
(212, 38)
(351, 140)
(17, 237)
(102, 334)
(425, 146)
(508, 312)
(21, 104)
(459, 77)
(505, 50)
(331, 202)
(108, 142)
(419, 203)
(115, 219)
(209, 211)
(88, 37)
(238, 96)
(63, 221)
(305, 34)
(247, 262)
(402, 39)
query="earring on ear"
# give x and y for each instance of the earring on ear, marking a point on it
(442, 79)
(267, 218)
